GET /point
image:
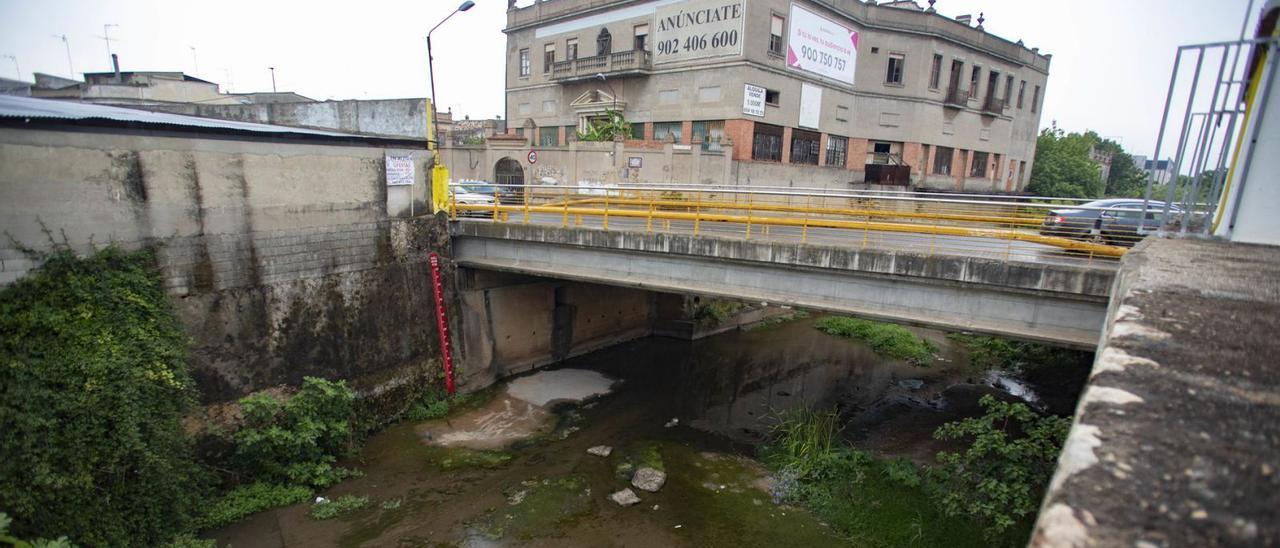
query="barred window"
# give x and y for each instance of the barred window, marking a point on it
(549, 136)
(766, 143)
(804, 147)
(942, 160)
(979, 168)
(524, 62)
(837, 150)
(661, 130)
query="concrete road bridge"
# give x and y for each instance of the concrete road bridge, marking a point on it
(961, 263)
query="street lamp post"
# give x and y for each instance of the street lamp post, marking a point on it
(435, 120)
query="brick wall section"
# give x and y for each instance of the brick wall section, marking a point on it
(786, 145)
(686, 132)
(740, 132)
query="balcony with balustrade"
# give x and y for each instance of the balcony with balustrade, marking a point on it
(613, 65)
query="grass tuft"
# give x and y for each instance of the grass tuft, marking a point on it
(886, 339)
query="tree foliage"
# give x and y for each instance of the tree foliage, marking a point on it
(612, 125)
(1001, 477)
(93, 385)
(296, 441)
(1063, 168)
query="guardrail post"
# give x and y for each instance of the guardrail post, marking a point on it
(453, 205)
(606, 211)
(804, 229)
(750, 199)
(495, 204)
(648, 224)
(526, 204)
(697, 211)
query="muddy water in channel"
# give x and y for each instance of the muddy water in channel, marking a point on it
(547, 491)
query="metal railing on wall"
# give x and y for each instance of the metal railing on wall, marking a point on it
(999, 227)
(1207, 109)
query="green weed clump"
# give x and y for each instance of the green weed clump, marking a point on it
(250, 499)
(296, 441)
(987, 352)
(93, 386)
(329, 509)
(886, 339)
(1000, 478)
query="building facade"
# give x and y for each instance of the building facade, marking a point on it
(827, 93)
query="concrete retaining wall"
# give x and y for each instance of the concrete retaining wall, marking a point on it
(283, 260)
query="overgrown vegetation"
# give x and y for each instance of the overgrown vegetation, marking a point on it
(329, 509)
(435, 404)
(987, 352)
(94, 385)
(246, 500)
(886, 339)
(296, 441)
(1000, 478)
(611, 126)
(982, 496)
(714, 312)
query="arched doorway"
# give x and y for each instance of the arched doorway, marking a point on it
(509, 172)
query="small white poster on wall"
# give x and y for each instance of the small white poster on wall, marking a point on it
(810, 106)
(753, 100)
(399, 169)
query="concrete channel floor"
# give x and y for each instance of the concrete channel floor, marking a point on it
(1176, 440)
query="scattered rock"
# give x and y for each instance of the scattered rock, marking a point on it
(674, 421)
(911, 384)
(649, 479)
(600, 450)
(625, 497)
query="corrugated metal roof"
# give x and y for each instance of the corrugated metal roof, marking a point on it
(49, 109)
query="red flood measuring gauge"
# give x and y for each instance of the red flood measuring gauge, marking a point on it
(442, 324)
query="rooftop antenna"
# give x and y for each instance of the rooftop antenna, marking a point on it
(14, 58)
(194, 61)
(106, 36)
(70, 68)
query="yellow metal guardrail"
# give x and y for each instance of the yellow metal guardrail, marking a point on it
(895, 222)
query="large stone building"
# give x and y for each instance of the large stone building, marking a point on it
(827, 93)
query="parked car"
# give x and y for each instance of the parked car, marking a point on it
(1115, 221)
(506, 194)
(460, 194)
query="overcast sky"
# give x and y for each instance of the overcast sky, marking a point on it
(1110, 71)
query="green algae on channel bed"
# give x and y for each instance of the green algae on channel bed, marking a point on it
(723, 501)
(539, 508)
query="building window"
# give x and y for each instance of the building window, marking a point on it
(974, 80)
(570, 134)
(1008, 89)
(549, 136)
(885, 153)
(524, 62)
(842, 113)
(548, 57)
(766, 143)
(661, 130)
(1035, 99)
(935, 72)
(942, 160)
(642, 37)
(710, 132)
(993, 85)
(979, 166)
(771, 97)
(571, 49)
(637, 131)
(604, 42)
(837, 150)
(775, 34)
(894, 74)
(1022, 92)
(804, 147)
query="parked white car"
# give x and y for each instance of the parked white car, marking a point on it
(462, 195)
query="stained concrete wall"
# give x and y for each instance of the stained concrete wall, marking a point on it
(395, 117)
(515, 323)
(283, 259)
(608, 162)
